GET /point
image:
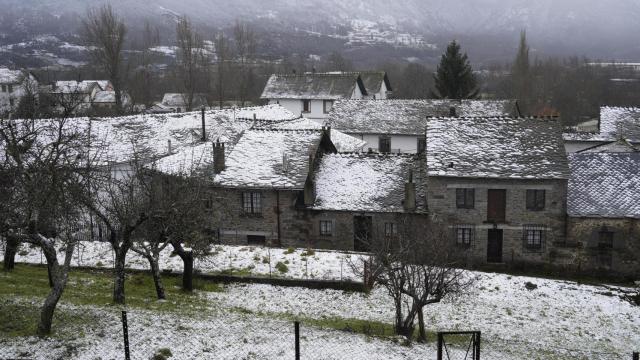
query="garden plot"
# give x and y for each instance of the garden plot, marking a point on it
(245, 260)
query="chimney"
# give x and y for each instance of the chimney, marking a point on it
(410, 194)
(169, 149)
(452, 112)
(326, 130)
(204, 131)
(309, 185)
(218, 157)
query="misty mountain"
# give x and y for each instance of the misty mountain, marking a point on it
(488, 28)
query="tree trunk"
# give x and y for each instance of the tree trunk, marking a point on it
(50, 303)
(422, 336)
(119, 275)
(187, 260)
(157, 280)
(50, 275)
(10, 253)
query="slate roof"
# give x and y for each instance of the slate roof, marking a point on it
(615, 123)
(373, 81)
(604, 185)
(8, 76)
(342, 141)
(366, 182)
(313, 86)
(69, 87)
(270, 159)
(180, 100)
(617, 146)
(507, 148)
(408, 117)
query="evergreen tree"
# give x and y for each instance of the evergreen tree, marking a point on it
(454, 78)
(521, 76)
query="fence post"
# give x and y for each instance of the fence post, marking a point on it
(636, 356)
(297, 332)
(439, 346)
(478, 334)
(125, 332)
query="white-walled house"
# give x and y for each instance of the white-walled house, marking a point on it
(398, 126)
(313, 94)
(377, 84)
(12, 88)
(614, 124)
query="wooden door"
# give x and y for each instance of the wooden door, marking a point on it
(496, 205)
(362, 233)
(494, 246)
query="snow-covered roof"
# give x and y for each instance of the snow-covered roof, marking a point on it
(342, 141)
(272, 112)
(372, 79)
(8, 76)
(104, 84)
(70, 87)
(109, 97)
(270, 159)
(604, 185)
(366, 182)
(408, 117)
(180, 100)
(187, 160)
(615, 123)
(511, 148)
(322, 86)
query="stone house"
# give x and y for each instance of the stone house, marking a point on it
(313, 94)
(398, 126)
(262, 183)
(604, 211)
(13, 85)
(500, 184)
(177, 103)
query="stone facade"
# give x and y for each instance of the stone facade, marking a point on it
(442, 202)
(593, 252)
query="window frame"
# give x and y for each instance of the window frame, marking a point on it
(306, 106)
(534, 237)
(384, 140)
(536, 199)
(252, 203)
(464, 235)
(421, 145)
(4, 88)
(605, 244)
(390, 230)
(326, 228)
(465, 198)
(10, 88)
(324, 106)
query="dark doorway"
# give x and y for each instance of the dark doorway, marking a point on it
(362, 233)
(494, 246)
(256, 240)
(496, 205)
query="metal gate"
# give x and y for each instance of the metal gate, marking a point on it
(463, 345)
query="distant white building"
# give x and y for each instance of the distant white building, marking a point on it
(78, 97)
(614, 124)
(13, 85)
(313, 94)
(178, 102)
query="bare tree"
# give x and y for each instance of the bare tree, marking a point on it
(41, 200)
(224, 55)
(419, 267)
(246, 41)
(105, 32)
(190, 59)
(142, 89)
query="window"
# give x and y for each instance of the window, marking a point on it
(252, 203)
(327, 106)
(534, 237)
(464, 235)
(605, 238)
(10, 88)
(390, 230)
(384, 145)
(465, 198)
(4, 88)
(535, 200)
(326, 228)
(422, 145)
(11, 102)
(306, 106)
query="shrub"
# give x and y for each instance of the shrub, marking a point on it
(290, 250)
(162, 354)
(99, 264)
(23, 253)
(265, 260)
(308, 252)
(280, 266)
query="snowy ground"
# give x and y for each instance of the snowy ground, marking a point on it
(558, 320)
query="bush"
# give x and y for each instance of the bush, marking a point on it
(289, 250)
(99, 264)
(265, 260)
(280, 266)
(23, 253)
(308, 252)
(162, 354)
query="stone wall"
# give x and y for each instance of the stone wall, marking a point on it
(623, 258)
(442, 203)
